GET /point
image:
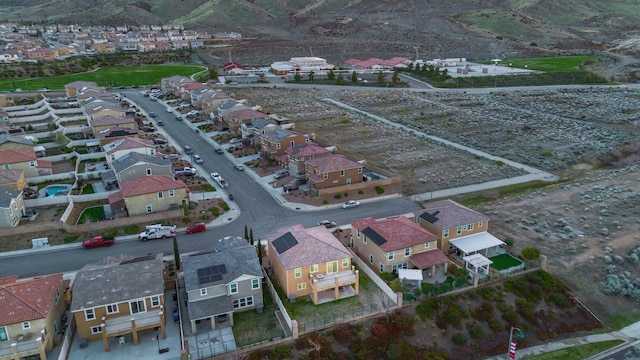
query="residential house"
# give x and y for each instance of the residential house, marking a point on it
(233, 68)
(10, 56)
(14, 139)
(115, 132)
(460, 230)
(300, 153)
(24, 159)
(133, 165)
(172, 84)
(121, 147)
(236, 118)
(229, 106)
(11, 206)
(254, 128)
(396, 243)
(13, 178)
(221, 280)
(76, 87)
(105, 48)
(100, 108)
(276, 140)
(31, 316)
(312, 262)
(149, 194)
(186, 88)
(332, 170)
(109, 121)
(120, 298)
(41, 54)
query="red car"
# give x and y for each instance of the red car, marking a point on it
(196, 228)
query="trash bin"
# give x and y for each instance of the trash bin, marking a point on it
(176, 316)
(259, 308)
(83, 342)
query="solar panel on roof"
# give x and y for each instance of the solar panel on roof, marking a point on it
(211, 273)
(284, 242)
(374, 236)
(431, 218)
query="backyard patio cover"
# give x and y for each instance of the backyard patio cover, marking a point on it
(477, 260)
(427, 259)
(476, 242)
(410, 274)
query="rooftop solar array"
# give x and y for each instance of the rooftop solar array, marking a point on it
(431, 218)
(284, 243)
(374, 236)
(211, 274)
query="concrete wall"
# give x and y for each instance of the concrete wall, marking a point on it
(374, 277)
(360, 186)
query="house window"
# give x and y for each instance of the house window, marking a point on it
(359, 170)
(325, 176)
(112, 309)
(407, 252)
(96, 330)
(348, 181)
(172, 193)
(459, 230)
(332, 267)
(470, 227)
(364, 239)
(32, 163)
(297, 273)
(26, 325)
(203, 292)
(57, 297)
(345, 262)
(113, 157)
(7, 166)
(341, 173)
(155, 301)
(149, 209)
(445, 233)
(149, 172)
(381, 268)
(403, 265)
(301, 286)
(278, 146)
(464, 227)
(390, 255)
(153, 152)
(480, 224)
(292, 143)
(160, 194)
(15, 206)
(418, 220)
(314, 268)
(358, 233)
(371, 259)
(89, 314)
(3, 334)
(233, 288)
(255, 284)
(243, 302)
(426, 245)
(137, 307)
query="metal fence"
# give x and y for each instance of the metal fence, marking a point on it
(335, 318)
(264, 336)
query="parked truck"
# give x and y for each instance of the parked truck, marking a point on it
(99, 241)
(157, 231)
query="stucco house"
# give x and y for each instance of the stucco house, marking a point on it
(119, 148)
(11, 206)
(119, 303)
(134, 165)
(221, 280)
(31, 315)
(76, 87)
(116, 132)
(13, 178)
(312, 262)
(332, 170)
(24, 159)
(147, 194)
(235, 119)
(387, 245)
(276, 140)
(109, 121)
(300, 153)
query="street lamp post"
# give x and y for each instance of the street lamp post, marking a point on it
(512, 344)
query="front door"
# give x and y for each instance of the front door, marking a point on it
(3, 334)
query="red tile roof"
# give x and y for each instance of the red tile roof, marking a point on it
(399, 232)
(306, 149)
(247, 114)
(150, 184)
(128, 143)
(331, 163)
(27, 300)
(428, 259)
(14, 156)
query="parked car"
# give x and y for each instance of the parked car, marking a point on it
(170, 109)
(99, 241)
(350, 204)
(188, 171)
(152, 114)
(238, 167)
(281, 173)
(235, 141)
(215, 176)
(179, 118)
(188, 150)
(160, 141)
(219, 151)
(196, 228)
(153, 98)
(171, 156)
(328, 224)
(197, 159)
(160, 123)
(295, 183)
(223, 183)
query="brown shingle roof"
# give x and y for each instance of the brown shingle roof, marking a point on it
(447, 214)
(150, 184)
(27, 300)
(315, 245)
(14, 156)
(334, 162)
(111, 120)
(399, 232)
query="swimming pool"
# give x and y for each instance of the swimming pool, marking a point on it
(56, 190)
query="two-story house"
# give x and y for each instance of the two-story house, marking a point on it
(276, 140)
(31, 315)
(148, 194)
(312, 262)
(300, 153)
(221, 280)
(235, 119)
(24, 159)
(114, 133)
(133, 165)
(106, 122)
(77, 87)
(121, 147)
(460, 230)
(332, 170)
(13, 178)
(119, 299)
(396, 243)
(11, 206)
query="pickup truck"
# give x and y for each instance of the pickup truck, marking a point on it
(99, 241)
(157, 232)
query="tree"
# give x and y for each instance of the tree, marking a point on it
(259, 252)
(311, 74)
(251, 236)
(297, 77)
(331, 75)
(213, 74)
(354, 77)
(176, 252)
(380, 77)
(340, 79)
(530, 253)
(399, 285)
(246, 232)
(396, 77)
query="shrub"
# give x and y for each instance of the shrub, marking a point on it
(360, 192)
(70, 239)
(545, 153)
(387, 276)
(325, 202)
(346, 194)
(379, 190)
(477, 331)
(280, 352)
(508, 241)
(337, 196)
(132, 229)
(110, 232)
(511, 317)
(342, 333)
(530, 253)
(427, 309)
(560, 299)
(224, 206)
(500, 163)
(379, 331)
(459, 339)
(214, 211)
(495, 325)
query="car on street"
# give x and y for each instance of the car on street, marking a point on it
(179, 118)
(188, 150)
(196, 228)
(350, 204)
(215, 176)
(197, 159)
(171, 156)
(219, 151)
(327, 223)
(153, 98)
(235, 141)
(223, 183)
(238, 167)
(152, 114)
(160, 123)
(170, 109)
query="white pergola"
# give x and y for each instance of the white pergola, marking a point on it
(472, 244)
(478, 262)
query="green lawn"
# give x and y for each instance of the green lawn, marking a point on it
(250, 327)
(94, 213)
(550, 64)
(110, 76)
(576, 352)
(504, 261)
(88, 189)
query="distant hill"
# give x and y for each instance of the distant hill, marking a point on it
(336, 29)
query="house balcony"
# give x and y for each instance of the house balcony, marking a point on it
(24, 346)
(126, 324)
(328, 287)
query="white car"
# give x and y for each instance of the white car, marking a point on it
(215, 176)
(235, 141)
(350, 204)
(328, 224)
(169, 109)
(222, 182)
(238, 167)
(197, 159)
